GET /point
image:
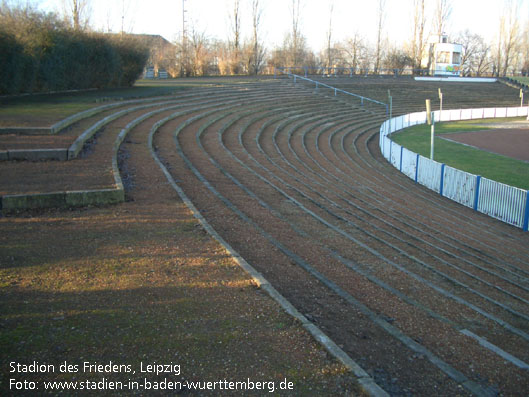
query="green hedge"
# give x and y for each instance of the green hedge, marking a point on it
(38, 53)
(14, 62)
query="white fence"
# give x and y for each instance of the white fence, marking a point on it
(503, 202)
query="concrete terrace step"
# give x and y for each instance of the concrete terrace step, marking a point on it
(38, 195)
(67, 145)
(201, 157)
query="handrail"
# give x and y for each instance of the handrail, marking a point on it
(334, 70)
(336, 90)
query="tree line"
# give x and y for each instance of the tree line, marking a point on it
(40, 52)
(196, 54)
(44, 51)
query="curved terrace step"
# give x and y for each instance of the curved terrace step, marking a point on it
(394, 274)
(66, 145)
(26, 175)
(355, 204)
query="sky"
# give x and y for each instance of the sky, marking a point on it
(211, 17)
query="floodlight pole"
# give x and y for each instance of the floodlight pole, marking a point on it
(432, 138)
(390, 109)
(431, 121)
(441, 101)
(521, 97)
(183, 61)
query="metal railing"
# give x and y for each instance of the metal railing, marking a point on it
(506, 203)
(336, 71)
(362, 99)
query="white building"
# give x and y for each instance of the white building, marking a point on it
(443, 58)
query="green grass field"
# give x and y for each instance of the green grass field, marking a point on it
(521, 79)
(42, 110)
(489, 165)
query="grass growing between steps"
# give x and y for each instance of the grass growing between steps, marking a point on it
(44, 110)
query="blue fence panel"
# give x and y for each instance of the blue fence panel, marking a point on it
(386, 127)
(395, 155)
(417, 118)
(477, 113)
(409, 163)
(445, 115)
(466, 114)
(459, 186)
(502, 202)
(526, 216)
(406, 121)
(501, 112)
(455, 114)
(489, 113)
(391, 126)
(386, 144)
(399, 123)
(512, 112)
(522, 111)
(429, 173)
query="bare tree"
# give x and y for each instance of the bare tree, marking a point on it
(222, 54)
(236, 24)
(79, 12)
(125, 13)
(353, 52)
(257, 51)
(235, 42)
(294, 49)
(397, 59)
(482, 62)
(200, 53)
(329, 37)
(507, 43)
(418, 42)
(525, 50)
(442, 13)
(510, 34)
(498, 57)
(474, 58)
(296, 35)
(381, 14)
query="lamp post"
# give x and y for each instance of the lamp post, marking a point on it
(441, 103)
(390, 98)
(431, 121)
